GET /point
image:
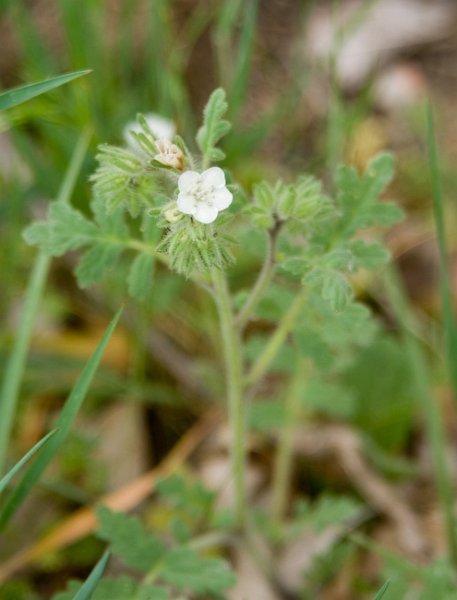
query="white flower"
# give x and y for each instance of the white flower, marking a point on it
(203, 195)
(169, 154)
(160, 126)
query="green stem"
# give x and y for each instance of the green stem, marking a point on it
(262, 281)
(284, 454)
(233, 367)
(433, 419)
(16, 363)
(274, 344)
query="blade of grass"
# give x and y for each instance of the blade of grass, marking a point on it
(430, 408)
(63, 423)
(91, 582)
(382, 591)
(223, 32)
(23, 93)
(240, 78)
(449, 319)
(12, 472)
(16, 364)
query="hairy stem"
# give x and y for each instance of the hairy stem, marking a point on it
(234, 378)
(274, 344)
(262, 281)
(284, 453)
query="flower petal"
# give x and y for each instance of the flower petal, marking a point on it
(205, 213)
(214, 177)
(186, 204)
(222, 198)
(187, 180)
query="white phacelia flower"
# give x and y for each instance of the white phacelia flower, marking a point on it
(161, 127)
(203, 195)
(169, 154)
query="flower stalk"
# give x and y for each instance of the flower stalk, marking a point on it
(234, 382)
(262, 281)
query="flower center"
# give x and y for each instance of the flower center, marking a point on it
(203, 194)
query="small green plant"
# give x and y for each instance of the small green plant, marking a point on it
(164, 201)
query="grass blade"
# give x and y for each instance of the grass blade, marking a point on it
(23, 93)
(91, 582)
(63, 423)
(14, 371)
(240, 80)
(382, 591)
(433, 421)
(12, 472)
(449, 320)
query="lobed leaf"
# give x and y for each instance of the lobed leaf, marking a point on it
(214, 127)
(129, 540)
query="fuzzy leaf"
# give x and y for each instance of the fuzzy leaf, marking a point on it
(95, 262)
(336, 290)
(368, 255)
(107, 589)
(140, 276)
(129, 540)
(186, 570)
(65, 229)
(214, 126)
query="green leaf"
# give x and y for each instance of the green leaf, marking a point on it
(107, 589)
(94, 263)
(214, 127)
(63, 425)
(129, 540)
(88, 587)
(124, 179)
(186, 570)
(23, 93)
(67, 229)
(382, 591)
(383, 411)
(336, 290)
(357, 196)
(148, 592)
(12, 472)
(368, 255)
(140, 276)
(328, 511)
(330, 399)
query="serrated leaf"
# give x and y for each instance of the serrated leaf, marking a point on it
(65, 229)
(140, 276)
(148, 592)
(107, 589)
(129, 540)
(68, 229)
(384, 214)
(357, 196)
(183, 568)
(336, 290)
(214, 126)
(328, 511)
(94, 263)
(368, 255)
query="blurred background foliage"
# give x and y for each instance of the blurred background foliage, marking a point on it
(299, 102)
